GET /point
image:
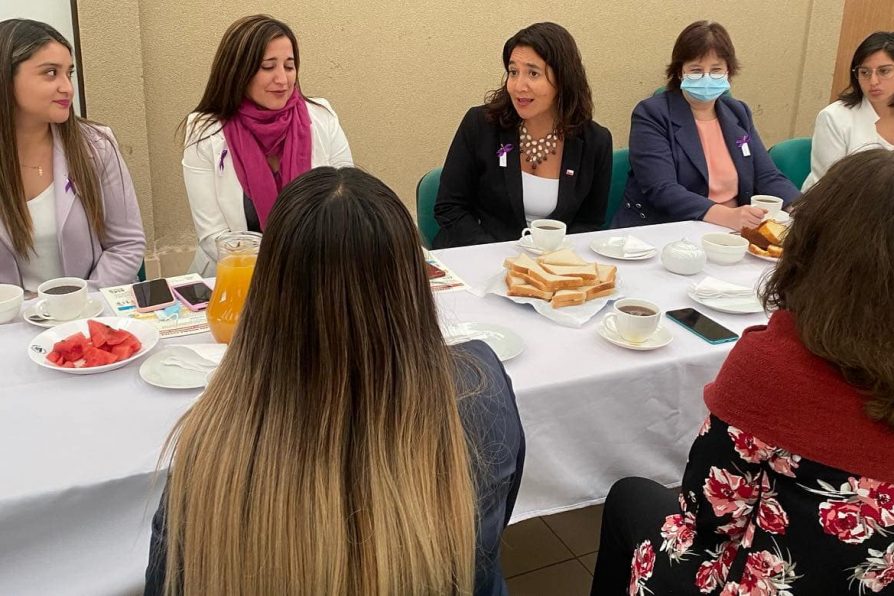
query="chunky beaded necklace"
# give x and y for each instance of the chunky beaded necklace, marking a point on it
(537, 150)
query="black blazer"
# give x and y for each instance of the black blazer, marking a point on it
(479, 201)
(668, 178)
(497, 443)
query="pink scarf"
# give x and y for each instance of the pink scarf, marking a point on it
(254, 133)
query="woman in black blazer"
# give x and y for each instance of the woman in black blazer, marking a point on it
(531, 152)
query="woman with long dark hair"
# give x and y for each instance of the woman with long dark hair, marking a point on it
(532, 151)
(67, 203)
(252, 133)
(863, 116)
(341, 447)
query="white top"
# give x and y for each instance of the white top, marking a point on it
(45, 262)
(840, 131)
(215, 195)
(540, 196)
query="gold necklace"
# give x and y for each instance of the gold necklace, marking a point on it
(537, 150)
(38, 168)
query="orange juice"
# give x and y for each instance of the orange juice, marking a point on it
(233, 279)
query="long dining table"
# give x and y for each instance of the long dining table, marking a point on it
(79, 455)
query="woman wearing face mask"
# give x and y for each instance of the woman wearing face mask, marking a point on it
(695, 152)
(531, 152)
(67, 203)
(863, 116)
(252, 133)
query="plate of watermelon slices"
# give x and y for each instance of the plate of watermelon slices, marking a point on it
(91, 346)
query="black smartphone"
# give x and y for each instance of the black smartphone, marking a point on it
(702, 325)
(194, 295)
(152, 295)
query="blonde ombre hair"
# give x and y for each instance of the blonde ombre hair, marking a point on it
(327, 455)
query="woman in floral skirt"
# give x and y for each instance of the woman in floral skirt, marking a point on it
(789, 488)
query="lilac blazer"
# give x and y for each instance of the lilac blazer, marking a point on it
(112, 261)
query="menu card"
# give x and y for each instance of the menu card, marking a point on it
(173, 321)
(440, 277)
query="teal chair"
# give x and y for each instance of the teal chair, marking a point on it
(620, 168)
(141, 274)
(426, 193)
(792, 157)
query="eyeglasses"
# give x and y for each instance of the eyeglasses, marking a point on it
(697, 76)
(884, 72)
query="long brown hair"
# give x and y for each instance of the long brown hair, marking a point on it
(236, 62)
(574, 101)
(696, 40)
(327, 455)
(837, 274)
(19, 40)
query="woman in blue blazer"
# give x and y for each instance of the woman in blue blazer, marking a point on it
(694, 151)
(532, 152)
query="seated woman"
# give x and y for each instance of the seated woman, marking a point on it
(67, 203)
(341, 447)
(531, 152)
(790, 483)
(694, 152)
(863, 116)
(252, 133)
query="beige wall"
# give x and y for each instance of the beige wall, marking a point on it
(401, 74)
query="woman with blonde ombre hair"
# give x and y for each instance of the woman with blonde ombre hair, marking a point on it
(341, 447)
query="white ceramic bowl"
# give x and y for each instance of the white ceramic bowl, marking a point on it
(723, 248)
(10, 302)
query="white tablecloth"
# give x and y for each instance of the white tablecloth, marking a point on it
(78, 453)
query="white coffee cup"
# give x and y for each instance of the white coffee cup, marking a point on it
(633, 320)
(61, 299)
(547, 234)
(772, 204)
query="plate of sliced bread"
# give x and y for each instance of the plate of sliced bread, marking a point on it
(766, 239)
(559, 285)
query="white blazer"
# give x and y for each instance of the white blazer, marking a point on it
(840, 131)
(215, 195)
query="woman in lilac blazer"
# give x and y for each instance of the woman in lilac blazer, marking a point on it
(67, 203)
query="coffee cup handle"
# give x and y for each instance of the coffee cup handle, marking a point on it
(526, 232)
(40, 309)
(609, 322)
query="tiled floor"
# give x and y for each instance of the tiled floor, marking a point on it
(552, 555)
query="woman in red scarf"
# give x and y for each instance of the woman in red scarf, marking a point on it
(789, 487)
(252, 133)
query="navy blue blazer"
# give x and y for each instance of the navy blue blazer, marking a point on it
(668, 179)
(479, 201)
(497, 452)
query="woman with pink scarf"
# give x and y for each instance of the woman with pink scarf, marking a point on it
(252, 133)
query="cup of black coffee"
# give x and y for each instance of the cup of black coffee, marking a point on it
(61, 299)
(633, 320)
(547, 234)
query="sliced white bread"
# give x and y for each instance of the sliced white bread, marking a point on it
(520, 263)
(585, 272)
(607, 273)
(566, 256)
(568, 298)
(517, 286)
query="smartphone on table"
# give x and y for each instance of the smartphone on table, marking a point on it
(193, 295)
(152, 295)
(702, 325)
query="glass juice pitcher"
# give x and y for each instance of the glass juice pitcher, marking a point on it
(237, 253)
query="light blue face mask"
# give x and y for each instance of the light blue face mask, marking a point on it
(705, 88)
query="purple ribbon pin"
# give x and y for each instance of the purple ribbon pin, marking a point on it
(742, 141)
(503, 150)
(223, 154)
(68, 184)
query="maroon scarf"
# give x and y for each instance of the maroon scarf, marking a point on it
(773, 387)
(254, 133)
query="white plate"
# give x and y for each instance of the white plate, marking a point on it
(504, 342)
(528, 244)
(93, 308)
(659, 339)
(763, 258)
(42, 345)
(736, 306)
(155, 372)
(601, 247)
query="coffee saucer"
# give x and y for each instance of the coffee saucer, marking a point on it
(528, 244)
(659, 339)
(93, 308)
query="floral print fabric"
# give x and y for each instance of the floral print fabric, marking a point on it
(757, 520)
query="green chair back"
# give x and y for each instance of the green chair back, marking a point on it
(141, 274)
(792, 157)
(426, 193)
(620, 168)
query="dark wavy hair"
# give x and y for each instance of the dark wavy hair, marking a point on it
(574, 101)
(695, 41)
(836, 275)
(880, 41)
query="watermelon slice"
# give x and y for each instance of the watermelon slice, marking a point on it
(72, 347)
(105, 346)
(117, 336)
(98, 357)
(54, 357)
(123, 351)
(99, 332)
